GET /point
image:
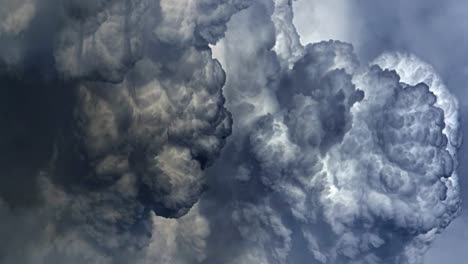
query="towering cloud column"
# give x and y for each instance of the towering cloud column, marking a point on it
(124, 107)
(348, 164)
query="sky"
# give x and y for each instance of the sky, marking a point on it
(233, 131)
(437, 32)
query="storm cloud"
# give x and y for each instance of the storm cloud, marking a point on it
(350, 163)
(112, 109)
(203, 131)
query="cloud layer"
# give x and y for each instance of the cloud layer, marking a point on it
(119, 120)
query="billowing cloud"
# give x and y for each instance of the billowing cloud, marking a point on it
(116, 124)
(351, 164)
(110, 116)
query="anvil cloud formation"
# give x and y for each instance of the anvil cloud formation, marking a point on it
(204, 131)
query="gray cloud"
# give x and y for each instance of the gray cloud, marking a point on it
(123, 121)
(434, 31)
(115, 112)
(349, 164)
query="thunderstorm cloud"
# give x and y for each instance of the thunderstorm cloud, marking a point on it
(205, 131)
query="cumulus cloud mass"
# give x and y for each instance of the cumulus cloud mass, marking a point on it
(203, 131)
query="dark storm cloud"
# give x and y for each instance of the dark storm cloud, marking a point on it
(116, 123)
(111, 114)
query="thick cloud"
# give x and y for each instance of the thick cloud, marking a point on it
(361, 180)
(114, 125)
(114, 106)
(431, 29)
(349, 164)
